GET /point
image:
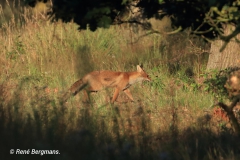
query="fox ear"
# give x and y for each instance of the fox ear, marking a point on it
(139, 69)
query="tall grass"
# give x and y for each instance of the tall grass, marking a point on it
(39, 60)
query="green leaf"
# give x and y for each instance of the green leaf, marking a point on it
(124, 2)
(104, 22)
(105, 10)
(160, 1)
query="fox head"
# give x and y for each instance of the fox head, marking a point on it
(143, 75)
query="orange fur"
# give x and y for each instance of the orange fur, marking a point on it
(98, 80)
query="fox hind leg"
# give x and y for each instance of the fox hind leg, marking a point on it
(87, 91)
(86, 96)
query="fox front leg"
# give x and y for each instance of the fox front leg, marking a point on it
(128, 93)
(115, 95)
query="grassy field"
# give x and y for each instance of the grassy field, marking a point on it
(170, 119)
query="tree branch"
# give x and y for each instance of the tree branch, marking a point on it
(232, 118)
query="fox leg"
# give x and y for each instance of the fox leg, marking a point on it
(128, 93)
(86, 96)
(115, 95)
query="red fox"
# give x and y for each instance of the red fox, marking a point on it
(98, 80)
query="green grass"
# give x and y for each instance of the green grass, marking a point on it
(39, 60)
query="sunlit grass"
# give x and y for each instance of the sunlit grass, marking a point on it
(39, 61)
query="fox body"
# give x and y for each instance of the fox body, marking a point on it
(98, 80)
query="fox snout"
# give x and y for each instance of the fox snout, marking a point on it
(148, 78)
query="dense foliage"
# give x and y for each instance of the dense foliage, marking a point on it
(203, 17)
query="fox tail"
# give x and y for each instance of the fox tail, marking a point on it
(74, 89)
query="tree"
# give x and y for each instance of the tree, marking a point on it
(205, 18)
(229, 57)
